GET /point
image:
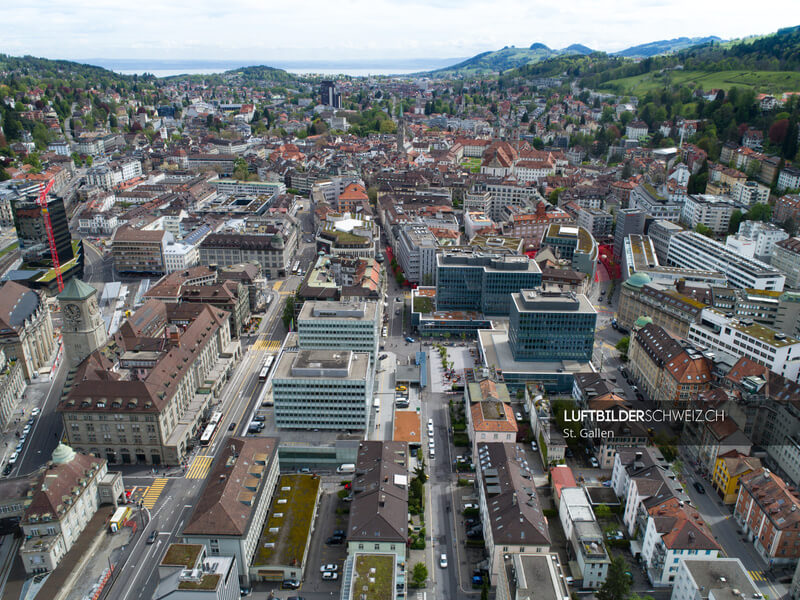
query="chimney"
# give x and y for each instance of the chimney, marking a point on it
(382, 501)
(173, 335)
(514, 499)
(637, 456)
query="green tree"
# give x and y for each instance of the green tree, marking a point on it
(419, 575)
(736, 218)
(759, 212)
(240, 171)
(34, 161)
(704, 230)
(485, 590)
(622, 345)
(288, 312)
(602, 511)
(617, 583)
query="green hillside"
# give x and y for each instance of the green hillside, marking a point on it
(767, 82)
(665, 46)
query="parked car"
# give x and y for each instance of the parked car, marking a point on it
(333, 540)
(534, 447)
(593, 462)
(259, 418)
(328, 576)
(35, 412)
(469, 506)
(329, 567)
(518, 416)
(339, 533)
(290, 584)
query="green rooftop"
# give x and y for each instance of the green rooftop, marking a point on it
(182, 555)
(208, 582)
(374, 577)
(283, 540)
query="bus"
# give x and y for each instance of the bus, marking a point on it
(211, 429)
(262, 376)
(295, 267)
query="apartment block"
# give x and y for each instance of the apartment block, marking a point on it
(769, 513)
(710, 211)
(273, 250)
(645, 198)
(416, 253)
(786, 258)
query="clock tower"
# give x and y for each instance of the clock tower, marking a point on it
(82, 327)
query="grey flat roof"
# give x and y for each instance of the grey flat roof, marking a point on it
(496, 349)
(538, 301)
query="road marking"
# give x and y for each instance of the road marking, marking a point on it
(267, 345)
(757, 575)
(199, 467)
(153, 493)
(277, 285)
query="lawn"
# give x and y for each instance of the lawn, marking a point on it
(51, 274)
(207, 582)
(283, 540)
(773, 82)
(374, 586)
(473, 164)
(182, 554)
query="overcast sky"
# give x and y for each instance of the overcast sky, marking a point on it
(260, 30)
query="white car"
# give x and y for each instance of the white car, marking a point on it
(430, 423)
(35, 412)
(329, 576)
(443, 561)
(331, 568)
(593, 462)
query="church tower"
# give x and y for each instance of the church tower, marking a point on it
(82, 329)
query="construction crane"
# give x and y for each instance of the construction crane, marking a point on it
(51, 238)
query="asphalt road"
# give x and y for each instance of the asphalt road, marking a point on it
(48, 428)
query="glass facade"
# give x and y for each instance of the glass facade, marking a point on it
(482, 283)
(551, 335)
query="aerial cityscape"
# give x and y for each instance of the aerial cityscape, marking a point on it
(399, 318)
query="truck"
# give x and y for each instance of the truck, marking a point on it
(346, 468)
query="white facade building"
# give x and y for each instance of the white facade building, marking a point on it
(748, 193)
(765, 236)
(416, 253)
(704, 209)
(738, 338)
(694, 251)
(704, 578)
(178, 257)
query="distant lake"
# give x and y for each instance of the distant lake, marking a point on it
(168, 68)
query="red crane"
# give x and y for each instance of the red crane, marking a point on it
(51, 238)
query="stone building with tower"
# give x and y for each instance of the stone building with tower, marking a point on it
(83, 329)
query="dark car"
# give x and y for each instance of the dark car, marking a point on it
(290, 584)
(339, 533)
(333, 540)
(152, 537)
(699, 487)
(568, 452)
(232, 426)
(471, 521)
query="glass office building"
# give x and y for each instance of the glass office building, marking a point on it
(481, 282)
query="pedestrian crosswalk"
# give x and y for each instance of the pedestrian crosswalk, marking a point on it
(199, 467)
(154, 492)
(757, 575)
(277, 285)
(268, 345)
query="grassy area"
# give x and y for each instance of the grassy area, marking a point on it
(473, 164)
(377, 585)
(182, 554)
(283, 540)
(423, 305)
(51, 274)
(9, 248)
(772, 82)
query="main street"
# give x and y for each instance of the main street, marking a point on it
(137, 578)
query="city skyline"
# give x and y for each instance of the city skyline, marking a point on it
(243, 30)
